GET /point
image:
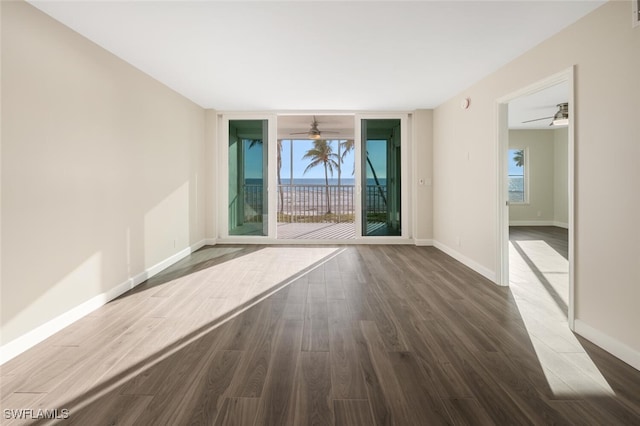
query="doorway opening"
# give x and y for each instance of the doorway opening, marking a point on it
(535, 220)
(320, 178)
(316, 177)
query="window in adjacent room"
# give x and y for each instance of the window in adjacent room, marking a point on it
(518, 176)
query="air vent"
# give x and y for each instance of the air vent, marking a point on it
(635, 4)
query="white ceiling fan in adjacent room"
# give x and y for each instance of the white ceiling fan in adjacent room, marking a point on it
(561, 117)
(314, 132)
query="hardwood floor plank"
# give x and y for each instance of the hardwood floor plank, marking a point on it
(194, 381)
(334, 287)
(446, 379)
(298, 290)
(375, 335)
(520, 390)
(391, 388)
(597, 411)
(114, 409)
(380, 409)
(99, 370)
(238, 412)
(423, 406)
(619, 375)
(392, 336)
(279, 386)
(317, 290)
(203, 398)
(45, 375)
(482, 384)
(171, 362)
(16, 403)
(239, 330)
(316, 326)
(254, 366)
(466, 411)
(352, 412)
(311, 402)
(346, 376)
(294, 311)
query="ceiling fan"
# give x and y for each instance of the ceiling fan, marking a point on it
(313, 132)
(559, 119)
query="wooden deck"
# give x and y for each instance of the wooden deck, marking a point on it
(323, 231)
(317, 231)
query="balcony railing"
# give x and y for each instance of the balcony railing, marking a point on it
(308, 203)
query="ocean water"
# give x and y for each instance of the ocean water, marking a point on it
(318, 181)
(307, 197)
(516, 188)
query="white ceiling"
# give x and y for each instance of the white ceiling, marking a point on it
(322, 55)
(537, 105)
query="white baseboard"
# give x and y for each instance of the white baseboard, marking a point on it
(423, 242)
(150, 272)
(485, 272)
(538, 223)
(42, 332)
(608, 343)
(210, 241)
(530, 223)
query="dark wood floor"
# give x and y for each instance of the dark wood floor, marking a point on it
(375, 335)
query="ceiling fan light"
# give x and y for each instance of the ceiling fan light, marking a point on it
(561, 118)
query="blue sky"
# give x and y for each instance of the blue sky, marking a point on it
(513, 169)
(253, 161)
(300, 147)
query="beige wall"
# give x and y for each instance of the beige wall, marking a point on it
(423, 138)
(605, 51)
(102, 170)
(561, 177)
(211, 157)
(540, 150)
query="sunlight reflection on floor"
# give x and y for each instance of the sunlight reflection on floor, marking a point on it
(183, 311)
(539, 281)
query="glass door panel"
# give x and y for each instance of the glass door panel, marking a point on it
(248, 177)
(316, 189)
(381, 177)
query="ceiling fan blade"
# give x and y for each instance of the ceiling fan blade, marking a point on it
(328, 131)
(299, 133)
(537, 119)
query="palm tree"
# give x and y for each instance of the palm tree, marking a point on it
(348, 146)
(518, 157)
(345, 147)
(322, 153)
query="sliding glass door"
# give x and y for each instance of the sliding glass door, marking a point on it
(248, 177)
(284, 189)
(381, 176)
